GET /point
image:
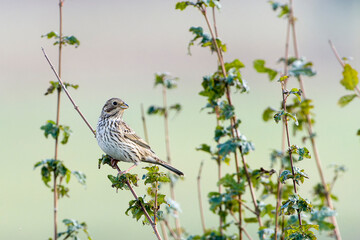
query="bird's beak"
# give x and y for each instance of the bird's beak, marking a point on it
(124, 106)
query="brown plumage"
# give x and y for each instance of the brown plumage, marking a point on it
(120, 142)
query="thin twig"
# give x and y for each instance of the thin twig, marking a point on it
(67, 93)
(163, 230)
(243, 229)
(144, 124)
(247, 207)
(311, 134)
(199, 196)
(167, 142)
(173, 234)
(93, 131)
(57, 123)
(155, 204)
(218, 160)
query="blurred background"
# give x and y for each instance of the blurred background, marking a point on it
(123, 43)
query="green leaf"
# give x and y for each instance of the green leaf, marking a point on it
(294, 204)
(51, 35)
(297, 93)
(153, 110)
(251, 220)
(204, 147)
(182, 5)
(71, 40)
(268, 114)
(259, 66)
(50, 128)
(284, 8)
(66, 133)
(301, 67)
(166, 80)
(350, 77)
(303, 152)
(80, 176)
(56, 85)
(345, 100)
(176, 107)
(73, 227)
(300, 232)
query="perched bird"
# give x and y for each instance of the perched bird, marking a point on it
(120, 142)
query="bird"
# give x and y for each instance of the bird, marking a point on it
(120, 142)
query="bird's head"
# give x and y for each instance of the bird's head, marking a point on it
(114, 107)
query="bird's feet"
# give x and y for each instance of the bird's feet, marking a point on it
(113, 163)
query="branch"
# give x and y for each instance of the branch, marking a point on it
(199, 195)
(243, 229)
(93, 131)
(173, 234)
(67, 93)
(152, 223)
(310, 131)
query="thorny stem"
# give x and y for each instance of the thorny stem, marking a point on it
(93, 131)
(167, 142)
(342, 64)
(199, 196)
(234, 132)
(311, 133)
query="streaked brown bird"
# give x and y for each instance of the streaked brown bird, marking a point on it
(120, 142)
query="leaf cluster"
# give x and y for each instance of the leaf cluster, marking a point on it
(213, 235)
(50, 128)
(302, 152)
(300, 232)
(73, 230)
(56, 85)
(298, 176)
(295, 204)
(57, 168)
(227, 202)
(65, 40)
(205, 40)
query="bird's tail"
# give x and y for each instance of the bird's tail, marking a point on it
(165, 165)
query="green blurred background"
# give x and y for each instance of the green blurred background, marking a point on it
(123, 43)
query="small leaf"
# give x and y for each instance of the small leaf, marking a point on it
(268, 114)
(259, 66)
(345, 100)
(350, 77)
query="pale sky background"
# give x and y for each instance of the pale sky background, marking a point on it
(123, 43)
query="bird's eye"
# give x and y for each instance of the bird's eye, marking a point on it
(115, 103)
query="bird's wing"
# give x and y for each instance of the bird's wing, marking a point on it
(131, 135)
